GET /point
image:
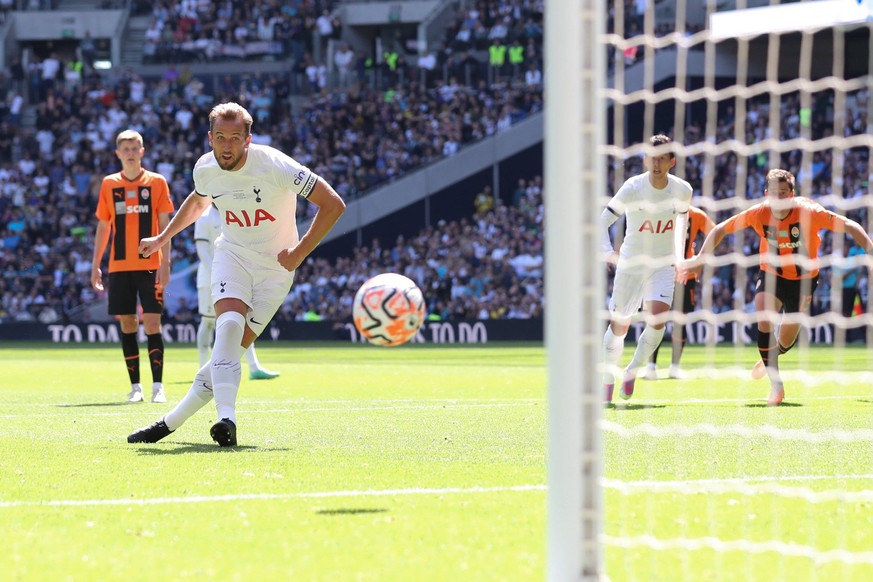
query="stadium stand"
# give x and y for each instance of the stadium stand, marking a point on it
(61, 114)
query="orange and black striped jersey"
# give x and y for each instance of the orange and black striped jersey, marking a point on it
(698, 223)
(132, 207)
(784, 240)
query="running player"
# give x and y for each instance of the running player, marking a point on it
(698, 223)
(206, 231)
(789, 228)
(255, 189)
(656, 205)
(134, 204)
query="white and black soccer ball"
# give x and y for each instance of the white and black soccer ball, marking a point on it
(388, 309)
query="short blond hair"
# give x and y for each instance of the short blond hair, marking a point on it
(128, 135)
(231, 112)
(780, 177)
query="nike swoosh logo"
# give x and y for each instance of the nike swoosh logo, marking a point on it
(217, 196)
(255, 322)
(664, 295)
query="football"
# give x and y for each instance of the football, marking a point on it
(388, 309)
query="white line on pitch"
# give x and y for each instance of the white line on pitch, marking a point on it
(748, 479)
(747, 546)
(271, 496)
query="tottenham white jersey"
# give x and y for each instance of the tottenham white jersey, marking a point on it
(651, 215)
(206, 229)
(256, 204)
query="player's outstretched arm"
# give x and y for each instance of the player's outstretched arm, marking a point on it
(189, 212)
(860, 235)
(695, 263)
(330, 208)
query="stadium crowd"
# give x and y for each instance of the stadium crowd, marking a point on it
(357, 136)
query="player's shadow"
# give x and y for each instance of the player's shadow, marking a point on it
(765, 405)
(862, 401)
(351, 511)
(631, 407)
(185, 448)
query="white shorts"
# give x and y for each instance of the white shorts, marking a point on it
(633, 286)
(262, 284)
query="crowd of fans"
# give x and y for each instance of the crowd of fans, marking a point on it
(356, 137)
(488, 266)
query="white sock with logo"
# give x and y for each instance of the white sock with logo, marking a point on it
(226, 365)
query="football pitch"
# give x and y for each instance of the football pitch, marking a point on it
(429, 463)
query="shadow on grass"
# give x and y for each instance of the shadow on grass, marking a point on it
(157, 449)
(765, 405)
(621, 406)
(351, 511)
(862, 401)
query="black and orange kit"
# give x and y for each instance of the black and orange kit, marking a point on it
(132, 208)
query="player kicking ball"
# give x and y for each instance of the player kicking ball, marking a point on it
(655, 204)
(255, 190)
(789, 228)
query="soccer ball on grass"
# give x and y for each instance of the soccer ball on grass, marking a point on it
(388, 309)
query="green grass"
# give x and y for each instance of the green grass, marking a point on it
(426, 463)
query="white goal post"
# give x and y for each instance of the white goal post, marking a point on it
(574, 162)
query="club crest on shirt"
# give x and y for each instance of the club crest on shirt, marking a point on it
(144, 193)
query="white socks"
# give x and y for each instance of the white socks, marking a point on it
(613, 346)
(204, 337)
(197, 397)
(226, 366)
(650, 339)
(252, 358)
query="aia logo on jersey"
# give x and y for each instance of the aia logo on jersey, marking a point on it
(244, 219)
(659, 227)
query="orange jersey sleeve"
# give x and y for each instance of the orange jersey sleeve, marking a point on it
(698, 223)
(132, 208)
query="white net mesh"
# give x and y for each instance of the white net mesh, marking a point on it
(703, 480)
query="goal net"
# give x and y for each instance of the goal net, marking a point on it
(704, 473)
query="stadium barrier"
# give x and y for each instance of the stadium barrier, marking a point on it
(436, 332)
(432, 332)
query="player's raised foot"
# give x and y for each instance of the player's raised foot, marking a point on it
(759, 370)
(677, 373)
(224, 433)
(777, 394)
(608, 389)
(150, 434)
(262, 374)
(627, 387)
(158, 393)
(651, 372)
(135, 394)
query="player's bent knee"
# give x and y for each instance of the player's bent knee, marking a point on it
(231, 318)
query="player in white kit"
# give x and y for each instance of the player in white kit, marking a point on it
(655, 204)
(206, 231)
(255, 190)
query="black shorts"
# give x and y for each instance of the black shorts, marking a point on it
(689, 295)
(795, 294)
(125, 286)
